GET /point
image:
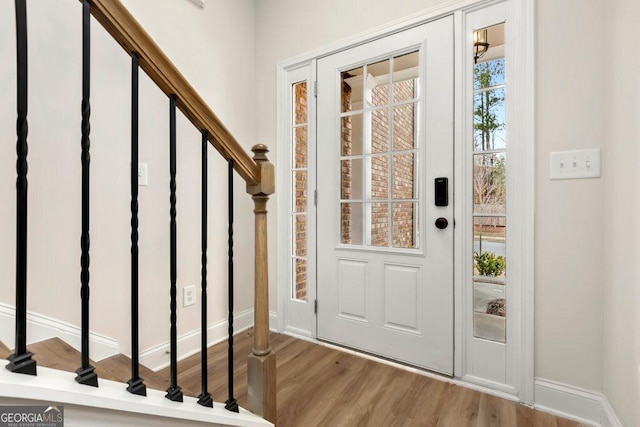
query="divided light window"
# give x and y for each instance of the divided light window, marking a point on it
(489, 190)
(299, 191)
(379, 199)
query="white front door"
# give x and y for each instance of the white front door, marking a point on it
(385, 137)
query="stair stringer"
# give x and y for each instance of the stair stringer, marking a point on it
(111, 404)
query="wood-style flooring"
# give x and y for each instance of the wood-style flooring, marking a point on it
(320, 386)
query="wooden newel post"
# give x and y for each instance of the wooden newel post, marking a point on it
(261, 364)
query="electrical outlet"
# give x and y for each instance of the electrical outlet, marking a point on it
(188, 295)
(142, 175)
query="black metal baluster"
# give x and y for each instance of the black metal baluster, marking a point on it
(21, 361)
(136, 384)
(231, 404)
(86, 374)
(174, 392)
(205, 397)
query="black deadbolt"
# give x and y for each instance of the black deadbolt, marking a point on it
(442, 223)
(441, 191)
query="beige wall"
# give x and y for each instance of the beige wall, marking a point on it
(621, 296)
(570, 91)
(570, 99)
(202, 43)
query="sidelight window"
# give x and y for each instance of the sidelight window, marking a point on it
(299, 188)
(489, 189)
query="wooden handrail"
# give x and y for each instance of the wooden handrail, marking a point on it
(128, 32)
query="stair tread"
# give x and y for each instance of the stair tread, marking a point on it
(54, 353)
(57, 354)
(120, 366)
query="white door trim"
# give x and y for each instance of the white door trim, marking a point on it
(521, 48)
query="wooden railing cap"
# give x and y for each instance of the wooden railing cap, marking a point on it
(260, 152)
(267, 178)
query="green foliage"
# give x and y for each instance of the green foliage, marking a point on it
(488, 264)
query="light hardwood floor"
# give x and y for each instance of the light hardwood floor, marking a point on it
(319, 386)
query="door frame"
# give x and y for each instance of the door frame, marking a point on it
(520, 49)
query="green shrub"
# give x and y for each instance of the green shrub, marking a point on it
(488, 264)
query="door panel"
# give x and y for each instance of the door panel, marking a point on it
(385, 132)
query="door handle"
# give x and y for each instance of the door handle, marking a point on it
(442, 223)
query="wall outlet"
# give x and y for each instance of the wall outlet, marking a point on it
(142, 175)
(188, 295)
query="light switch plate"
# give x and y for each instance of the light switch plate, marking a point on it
(575, 164)
(143, 177)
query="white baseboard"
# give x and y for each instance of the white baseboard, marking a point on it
(609, 417)
(40, 327)
(273, 321)
(158, 357)
(575, 403)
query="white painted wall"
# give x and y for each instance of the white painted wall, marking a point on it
(214, 48)
(621, 293)
(570, 109)
(570, 97)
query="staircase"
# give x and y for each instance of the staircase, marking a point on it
(104, 392)
(54, 353)
(110, 403)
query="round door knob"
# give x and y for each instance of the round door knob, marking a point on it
(442, 223)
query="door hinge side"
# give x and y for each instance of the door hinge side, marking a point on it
(315, 197)
(315, 88)
(315, 306)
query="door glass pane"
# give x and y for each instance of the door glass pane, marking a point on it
(405, 77)
(404, 216)
(403, 176)
(352, 135)
(488, 119)
(300, 274)
(300, 103)
(379, 224)
(300, 196)
(489, 184)
(352, 183)
(378, 76)
(300, 236)
(352, 90)
(489, 241)
(300, 151)
(379, 177)
(379, 131)
(404, 129)
(352, 223)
